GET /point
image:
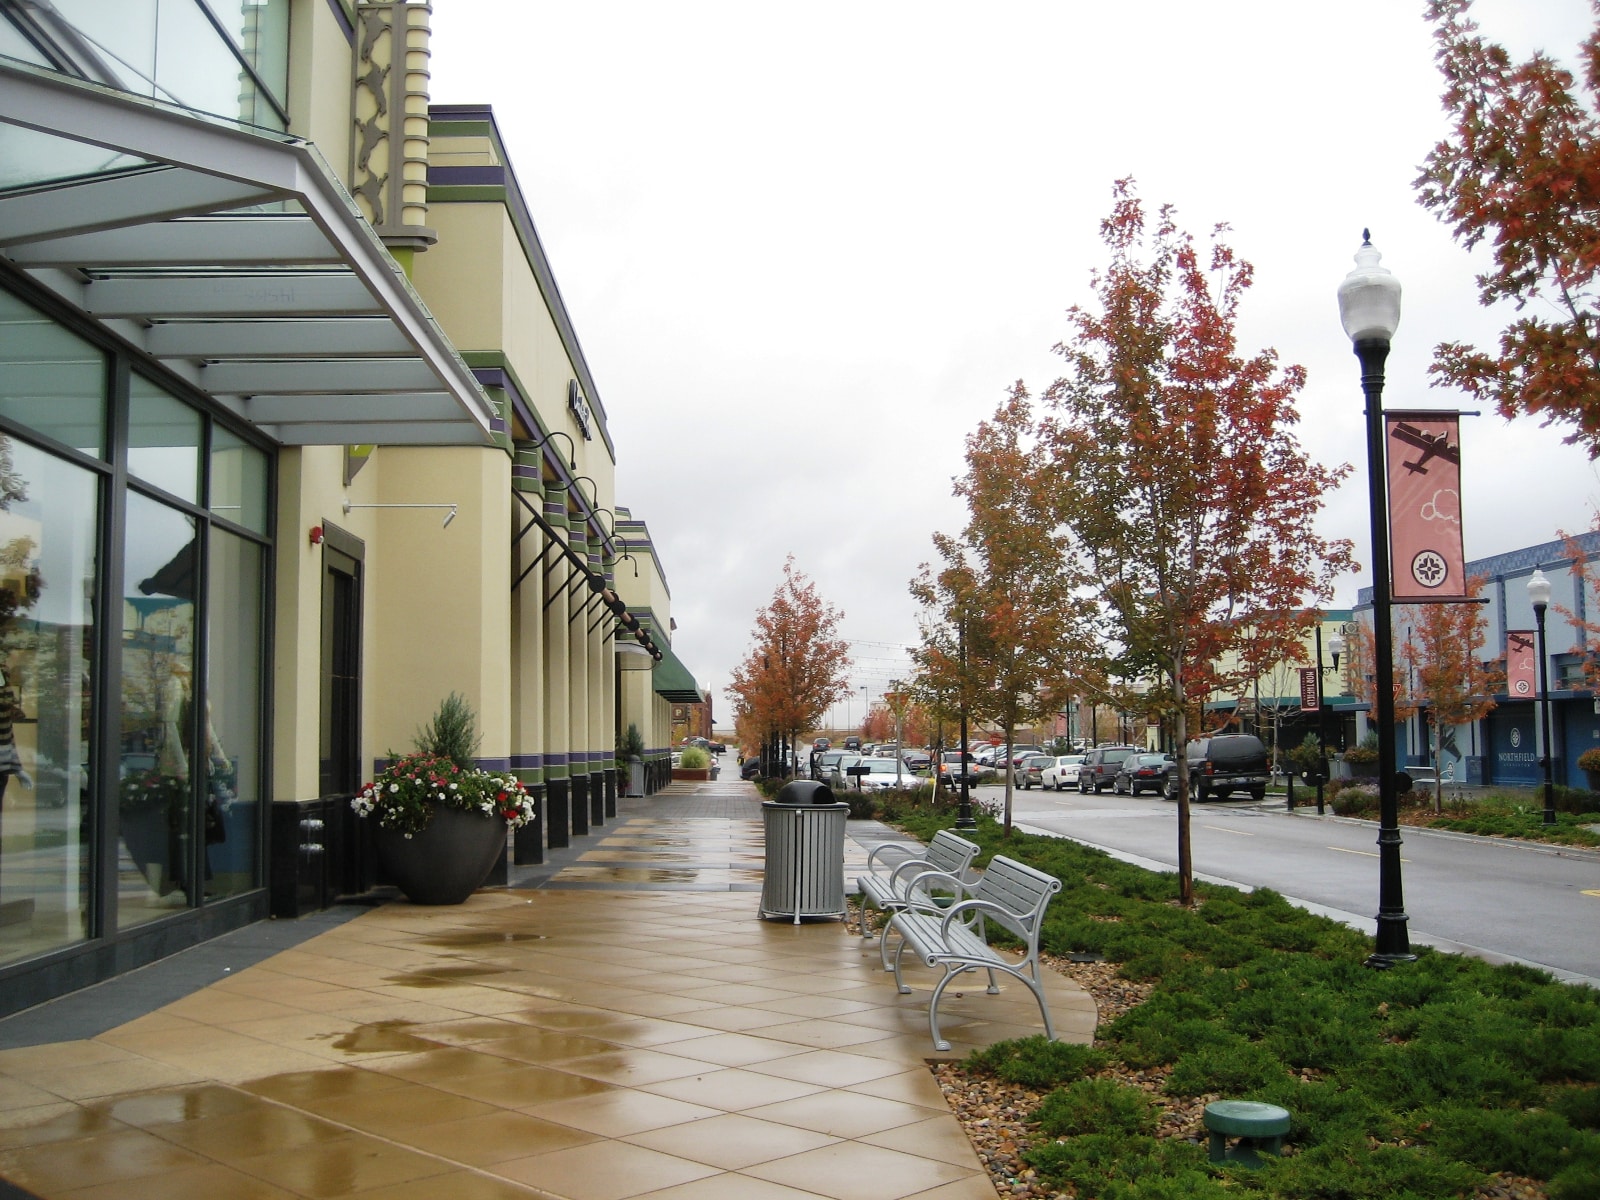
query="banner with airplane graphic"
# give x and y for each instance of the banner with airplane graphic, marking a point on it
(1427, 562)
(1521, 667)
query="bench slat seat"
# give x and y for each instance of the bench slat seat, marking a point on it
(1011, 894)
(922, 880)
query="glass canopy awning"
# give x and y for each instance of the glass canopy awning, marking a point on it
(234, 256)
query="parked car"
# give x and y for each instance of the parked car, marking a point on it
(1062, 772)
(751, 768)
(953, 764)
(884, 773)
(916, 760)
(852, 743)
(1099, 768)
(1143, 773)
(837, 776)
(821, 744)
(1227, 763)
(984, 754)
(826, 761)
(1030, 774)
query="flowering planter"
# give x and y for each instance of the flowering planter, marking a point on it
(447, 861)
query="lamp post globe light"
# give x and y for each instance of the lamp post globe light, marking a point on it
(1369, 309)
(1539, 595)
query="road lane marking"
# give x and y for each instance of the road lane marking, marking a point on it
(1591, 891)
(1225, 829)
(1363, 853)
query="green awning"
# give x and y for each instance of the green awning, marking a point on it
(672, 678)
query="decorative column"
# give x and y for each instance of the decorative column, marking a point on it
(557, 730)
(389, 102)
(578, 682)
(529, 563)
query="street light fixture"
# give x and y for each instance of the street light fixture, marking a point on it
(1539, 594)
(1369, 309)
(1336, 648)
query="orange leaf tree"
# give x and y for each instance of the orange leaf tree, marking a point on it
(1000, 616)
(1522, 168)
(1448, 680)
(1175, 475)
(797, 665)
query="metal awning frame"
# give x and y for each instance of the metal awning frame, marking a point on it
(300, 320)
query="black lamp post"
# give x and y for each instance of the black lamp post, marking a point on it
(1336, 648)
(1539, 593)
(1369, 309)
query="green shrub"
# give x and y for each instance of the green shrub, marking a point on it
(1037, 1062)
(453, 732)
(1114, 1167)
(1499, 1139)
(1234, 1068)
(1578, 1104)
(1096, 1106)
(694, 759)
(1354, 1171)
(630, 746)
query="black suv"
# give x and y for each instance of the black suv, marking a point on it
(1227, 763)
(1099, 769)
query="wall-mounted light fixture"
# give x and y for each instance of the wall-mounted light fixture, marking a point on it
(448, 517)
(572, 457)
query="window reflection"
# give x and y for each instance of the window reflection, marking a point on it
(158, 720)
(50, 380)
(48, 534)
(163, 440)
(238, 480)
(233, 716)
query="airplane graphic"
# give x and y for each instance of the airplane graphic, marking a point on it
(1432, 445)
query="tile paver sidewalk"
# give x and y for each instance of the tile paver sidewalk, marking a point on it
(596, 1034)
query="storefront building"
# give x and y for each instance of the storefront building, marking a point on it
(296, 439)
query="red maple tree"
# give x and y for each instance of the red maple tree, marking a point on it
(1522, 169)
(1176, 479)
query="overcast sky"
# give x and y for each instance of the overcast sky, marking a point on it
(807, 248)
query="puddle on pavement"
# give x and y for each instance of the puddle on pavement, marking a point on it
(384, 1037)
(485, 937)
(442, 977)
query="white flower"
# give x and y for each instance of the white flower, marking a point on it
(394, 787)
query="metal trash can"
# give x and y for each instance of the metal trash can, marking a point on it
(804, 829)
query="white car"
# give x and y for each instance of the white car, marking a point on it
(1064, 773)
(885, 773)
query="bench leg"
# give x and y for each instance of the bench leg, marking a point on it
(883, 942)
(994, 988)
(939, 1042)
(899, 983)
(865, 936)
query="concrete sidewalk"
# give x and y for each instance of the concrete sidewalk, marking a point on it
(618, 1023)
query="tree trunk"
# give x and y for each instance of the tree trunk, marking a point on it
(1185, 859)
(1011, 728)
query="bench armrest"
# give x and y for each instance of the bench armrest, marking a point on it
(875, 867)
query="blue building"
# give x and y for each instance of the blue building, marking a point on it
(1504, 747)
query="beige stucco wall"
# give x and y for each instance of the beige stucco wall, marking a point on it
(320, 70)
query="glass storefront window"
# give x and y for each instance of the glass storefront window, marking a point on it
(49, 529)
(156, 750)
(233, 716)
(238, 480)
(163, 440)
(51, 380)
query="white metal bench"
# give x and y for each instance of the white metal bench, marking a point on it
(1011, 894)
(905, 878)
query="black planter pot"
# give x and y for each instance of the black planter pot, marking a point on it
(447, 861)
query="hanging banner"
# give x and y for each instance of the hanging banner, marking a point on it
(1310, 692)
(1522, 680)
(1426, 561)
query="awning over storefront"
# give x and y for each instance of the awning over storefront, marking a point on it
(672, 679)
(234, 256)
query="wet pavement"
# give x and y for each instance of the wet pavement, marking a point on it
(617, 1023)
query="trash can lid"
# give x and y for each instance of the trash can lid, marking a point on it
(804, 791)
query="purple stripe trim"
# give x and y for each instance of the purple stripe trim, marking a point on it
(525, 471)
(461, 176)
(527, 762)
(555, 760)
